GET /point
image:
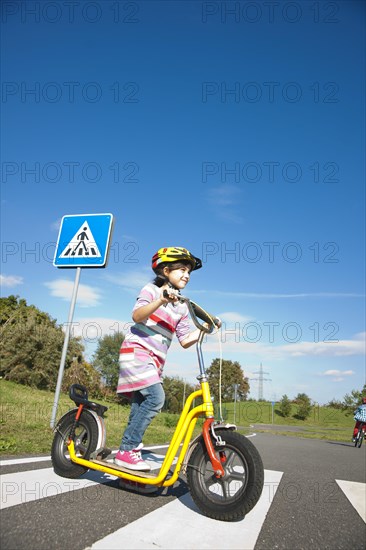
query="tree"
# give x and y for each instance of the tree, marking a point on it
(303, 405)
(32, 344)
(231, 373)
(176, 392)
(85, 374)
(106, 358)
(10, 308)
(353, 400)
(335, 404)
(285, 406)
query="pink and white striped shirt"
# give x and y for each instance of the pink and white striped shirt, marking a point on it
(145, 347)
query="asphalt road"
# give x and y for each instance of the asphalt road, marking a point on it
(309, 510)
(306, 509)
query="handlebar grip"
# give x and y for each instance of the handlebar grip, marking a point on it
(198, 313)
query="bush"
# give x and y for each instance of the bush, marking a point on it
(335, 404)
(285, 406)
(170, 420)
(304, 409)
(83, 373)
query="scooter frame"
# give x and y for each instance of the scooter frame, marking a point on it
(184, 429)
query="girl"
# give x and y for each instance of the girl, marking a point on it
(157, 316)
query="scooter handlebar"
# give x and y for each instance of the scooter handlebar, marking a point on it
(197, 312)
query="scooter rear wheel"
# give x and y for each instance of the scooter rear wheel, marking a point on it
(232, 496)
(86, 440)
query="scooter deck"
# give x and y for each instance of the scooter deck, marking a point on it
(122, 469)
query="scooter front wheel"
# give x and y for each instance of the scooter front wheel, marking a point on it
(231, 497)
(86, 440)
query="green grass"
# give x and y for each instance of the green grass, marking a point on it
(322, 423)
(26, 414)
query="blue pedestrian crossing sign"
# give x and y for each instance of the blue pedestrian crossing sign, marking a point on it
(83, 240)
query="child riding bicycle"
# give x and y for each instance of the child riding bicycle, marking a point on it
(157, 315)
(360, 417)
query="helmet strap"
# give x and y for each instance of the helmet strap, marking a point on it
(167, 282)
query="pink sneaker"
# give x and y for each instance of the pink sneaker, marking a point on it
(131, 460)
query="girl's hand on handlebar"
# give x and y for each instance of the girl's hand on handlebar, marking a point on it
(218, 322)
(169, 295)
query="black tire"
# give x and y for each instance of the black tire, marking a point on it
(229, 498)
(86, 440)
(356, 438)
(360, 438)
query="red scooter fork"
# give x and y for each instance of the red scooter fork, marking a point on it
(77, 416)
(79, 411)
(216, 463)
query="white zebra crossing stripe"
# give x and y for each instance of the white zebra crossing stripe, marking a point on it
(33, 485)
(159, 528)
(356, 494)
(19, 461)
(33, 459)
(28, 486)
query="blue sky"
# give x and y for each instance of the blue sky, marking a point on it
(234, 129)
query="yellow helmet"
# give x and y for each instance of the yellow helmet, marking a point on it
(175, 254)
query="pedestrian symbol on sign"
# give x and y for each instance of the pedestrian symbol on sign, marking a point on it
(82, 244)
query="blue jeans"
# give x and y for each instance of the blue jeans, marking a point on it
(145, 405)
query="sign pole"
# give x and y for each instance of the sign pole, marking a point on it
(66, 343)
(83, 241)
(235, 398)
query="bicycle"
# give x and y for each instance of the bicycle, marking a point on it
(360, 434)
(224, 470)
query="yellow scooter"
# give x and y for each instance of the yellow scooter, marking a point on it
(224, 469)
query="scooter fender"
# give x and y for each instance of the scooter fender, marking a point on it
(102, 434)
(194, 442)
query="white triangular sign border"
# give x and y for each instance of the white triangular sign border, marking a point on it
(76, 242)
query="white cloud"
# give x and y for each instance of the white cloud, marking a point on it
(92, 328)
(355, 346)
(224, 201)
(337, 372)
(55, 226)
(87, 296)
(10, 280)
(232, 342)
(337, 375)
(232, 317)
(272, 295)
